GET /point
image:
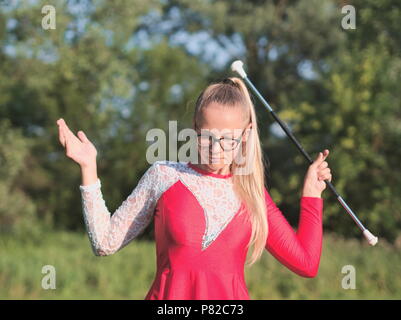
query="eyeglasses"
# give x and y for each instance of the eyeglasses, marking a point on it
(207, 140)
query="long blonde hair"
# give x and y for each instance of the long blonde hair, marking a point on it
(232, 92)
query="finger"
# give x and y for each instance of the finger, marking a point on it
(324, 171)
(61, 136)
(325, 177)
(68, 145)
(61, 131)
(67, 131)
(82, 137)
(321, 157)
(323, 165)
(318, 159)
(68, 136)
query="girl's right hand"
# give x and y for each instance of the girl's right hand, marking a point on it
(81, 150)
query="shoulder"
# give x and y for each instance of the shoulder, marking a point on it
(166, 171)
(268, 198)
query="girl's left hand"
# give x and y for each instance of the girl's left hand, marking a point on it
(314, 179)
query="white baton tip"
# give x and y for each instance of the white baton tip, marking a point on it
(370, 237)
(237, 66)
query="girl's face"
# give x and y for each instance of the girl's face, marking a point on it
(221, 122)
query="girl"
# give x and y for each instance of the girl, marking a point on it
(206, 215)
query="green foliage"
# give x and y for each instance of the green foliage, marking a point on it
(100, 82)
(100, 73)
(129, 273)
(17, 210)
(111, 70)
(364, 102)
(356, 114)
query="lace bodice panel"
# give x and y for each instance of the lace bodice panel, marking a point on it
(109, 233)
(217, 198)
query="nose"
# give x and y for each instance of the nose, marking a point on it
(216, 148)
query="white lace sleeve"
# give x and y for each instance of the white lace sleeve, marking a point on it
(110, 233)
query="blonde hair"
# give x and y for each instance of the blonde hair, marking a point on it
(232, 92)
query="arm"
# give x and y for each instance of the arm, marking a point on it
(110, 233)
(300, 252)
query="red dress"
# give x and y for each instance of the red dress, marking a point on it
(201, 231)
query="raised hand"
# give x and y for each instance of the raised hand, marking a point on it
(79, 149)
(317, 172)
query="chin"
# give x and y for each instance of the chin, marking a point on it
(216, 165)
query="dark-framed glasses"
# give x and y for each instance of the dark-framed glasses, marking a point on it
(207, 139)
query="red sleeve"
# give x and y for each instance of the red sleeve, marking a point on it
(299, 251)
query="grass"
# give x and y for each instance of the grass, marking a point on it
(129, 273)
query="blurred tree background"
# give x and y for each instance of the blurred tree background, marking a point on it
(116, 69)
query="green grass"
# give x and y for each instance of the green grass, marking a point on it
(129, 273)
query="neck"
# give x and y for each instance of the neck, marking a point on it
(223, 171)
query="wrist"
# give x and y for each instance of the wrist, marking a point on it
(89, 174)
(311, 195)
(315, 194)
(89, 167)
